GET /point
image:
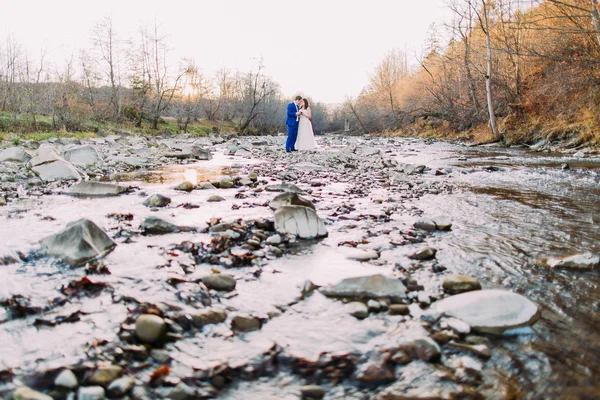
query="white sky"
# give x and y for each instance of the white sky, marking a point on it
(322, 48)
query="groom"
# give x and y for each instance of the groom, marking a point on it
(292, 123)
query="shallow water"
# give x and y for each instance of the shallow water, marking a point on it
(504, 219)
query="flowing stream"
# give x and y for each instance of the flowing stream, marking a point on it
(509, 208)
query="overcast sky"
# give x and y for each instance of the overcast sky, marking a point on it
(322, 48)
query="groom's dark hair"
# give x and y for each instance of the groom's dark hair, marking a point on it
(298, 98)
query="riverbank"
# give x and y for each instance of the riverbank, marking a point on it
(220, 300)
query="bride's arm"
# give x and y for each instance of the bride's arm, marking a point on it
(308, 113)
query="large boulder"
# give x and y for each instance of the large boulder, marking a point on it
(300, 221)
(81, 155)
(95, 189)
(16, 154)
(366, 287)
(157, 200)
(157, 226)
(81, 241)
(290, 199)
(584, 261)
(197, 152)
(46, 153)
(56, 170)
(490, 311)
(284, 187)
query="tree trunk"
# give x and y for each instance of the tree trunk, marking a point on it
(596, 19)
(488, 77)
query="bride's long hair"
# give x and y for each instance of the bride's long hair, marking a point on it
(306, 105)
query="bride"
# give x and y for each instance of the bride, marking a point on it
(306, 136)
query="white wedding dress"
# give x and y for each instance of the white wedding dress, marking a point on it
(306, 136)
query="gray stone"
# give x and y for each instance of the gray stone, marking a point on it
(215, 199)
(480, 350)
(105, 374)
(67, 379)
(157, 200)
(226, 183)
(81, 241)
(584, 261)
(274, 240)
(208, 317)
(81, 155)
(197, 152)
(56, 170)
(26, 393)
(290, 199)
(424, 253)
(460, 283)
(150, 328)
(182, 392)
(300, 221)
(185, 186)
(312, 392)
(133, 161)
(95, 189)
(373, 305)
(434, 224)
(157, 226)
(16, 154)
(399, 309)
(121, 386)
(91, 393)
(360, 254)
(423, 299)
(2, 201)
(246, 323)
(307, 166)
(284, 187)
(458, 326)
(243, 153)
(366, 287)
(219, 282)
(357, 309)
(205, 186)
(46, 153)
(490, 311)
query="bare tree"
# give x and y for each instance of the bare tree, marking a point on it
(256, 89)
(106, 42)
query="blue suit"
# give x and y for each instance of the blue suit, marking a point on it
(292, 124)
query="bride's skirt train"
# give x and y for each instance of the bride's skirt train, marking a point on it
(306, 137)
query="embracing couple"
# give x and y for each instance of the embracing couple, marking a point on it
(300, 130)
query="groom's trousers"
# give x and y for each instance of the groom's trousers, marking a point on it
(290, 144)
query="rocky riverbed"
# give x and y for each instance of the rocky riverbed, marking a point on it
(374, 268)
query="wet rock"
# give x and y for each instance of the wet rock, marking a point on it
(150, 328)
(205, 186)
(424, 349)
(284, 187)
(91, 393)
(157, 226)
(373, 305)
(157, 200)
(46, 153)
(182, 392)
(215, 199)
(246, 323)
(366, 287)
(290, 199)
(375, 371)
(95, 189)
(423, 254)
(208, 317)
(423, 299)
(307, 288)
(480, 350)
(457, 326)
(399, 309)
(56, 170)
(105, 374)
(434, 224)
(312, 392)
(490, 311)
(357, 309)
(197, 152)
(25, 393)
(226, 183)
(2, 201)
(81, 155)
(67, 379)
(307, 166)
(274, 240)
(81, 241)
(460, 283)
(185, 186)
(121, 386)
(584, 261)
(219, 282)
(300, 221)
(360, 254)
(16, 154)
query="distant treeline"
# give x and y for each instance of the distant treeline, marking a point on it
(131, 81)
(513, 70)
